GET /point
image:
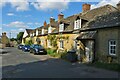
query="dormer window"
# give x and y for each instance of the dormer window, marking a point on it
(61, 27)
(31, 35)
(42, 31)
(77, 23)
(36, 32)
(50, 29)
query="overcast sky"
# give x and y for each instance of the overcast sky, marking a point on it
(17, 15)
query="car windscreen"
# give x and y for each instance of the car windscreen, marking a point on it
(27, 46)
(38, 46)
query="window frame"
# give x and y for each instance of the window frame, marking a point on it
(42, 31)
(61, 44)
(50, 29)
(61, 27)
(112, 45)
(77, 24)
(37, 32)
(49, 43)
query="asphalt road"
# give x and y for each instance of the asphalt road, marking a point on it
(18, 64)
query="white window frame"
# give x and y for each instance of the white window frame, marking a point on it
(61, 44)
(110, 47)
(49, 43)
(42, 42)
(61, 27)
(50, 29)
(75, 44)
(42, 31)
(33, 34)
(77, 24)
(36, 32)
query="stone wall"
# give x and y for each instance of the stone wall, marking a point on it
(102, 44)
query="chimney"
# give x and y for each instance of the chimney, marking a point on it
(4, 34)
(52, 20)
(86, 7)
(118, 5)
(45, 24)
(60, 17)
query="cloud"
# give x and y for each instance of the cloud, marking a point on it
(16, 24)
(50, 5)
(24, 5)
(105, 2)
(19, 5)
(10, 14)
(21, 29)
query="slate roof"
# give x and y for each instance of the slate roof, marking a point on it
(110, 20)
(87, 35)
(87, 16)
(29, 30)
(98, 11)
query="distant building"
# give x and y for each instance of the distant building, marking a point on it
(4, 40)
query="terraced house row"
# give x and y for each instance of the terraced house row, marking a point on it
(95, 33)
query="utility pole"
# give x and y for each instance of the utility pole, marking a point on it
(10, 35)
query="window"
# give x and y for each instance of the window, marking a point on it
(42, 31)
(77, 24)
(49, 29)
(31, 35)
(75, 45)
(42, 42)
(36, 32)
(49, 43)
(112, 47)
(61, 44)
(61, 27)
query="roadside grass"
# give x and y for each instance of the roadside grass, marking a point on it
(109, 66)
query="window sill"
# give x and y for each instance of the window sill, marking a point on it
(113, 56)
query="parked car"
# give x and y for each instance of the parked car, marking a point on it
(20, 46)
(32, 46)
(26, 48)
(37, 49)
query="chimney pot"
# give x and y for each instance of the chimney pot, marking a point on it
(52, 20)
(45, 24)
(86, 7)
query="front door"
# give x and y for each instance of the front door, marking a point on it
(89, 51)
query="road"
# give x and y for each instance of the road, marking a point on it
(18, 64)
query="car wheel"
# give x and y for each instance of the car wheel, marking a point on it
(30, 51)
(34, 53)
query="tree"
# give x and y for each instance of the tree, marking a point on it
(13, 39)
(19, 37)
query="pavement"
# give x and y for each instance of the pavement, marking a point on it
(19, 64)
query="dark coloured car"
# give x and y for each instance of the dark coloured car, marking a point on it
(26, 48)
(37, 49)
(20, 46)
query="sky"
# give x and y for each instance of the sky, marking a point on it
(18, 15)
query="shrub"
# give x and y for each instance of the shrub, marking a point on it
(29, 42)
(51, 51)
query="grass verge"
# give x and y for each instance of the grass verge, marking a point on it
(109, 66)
